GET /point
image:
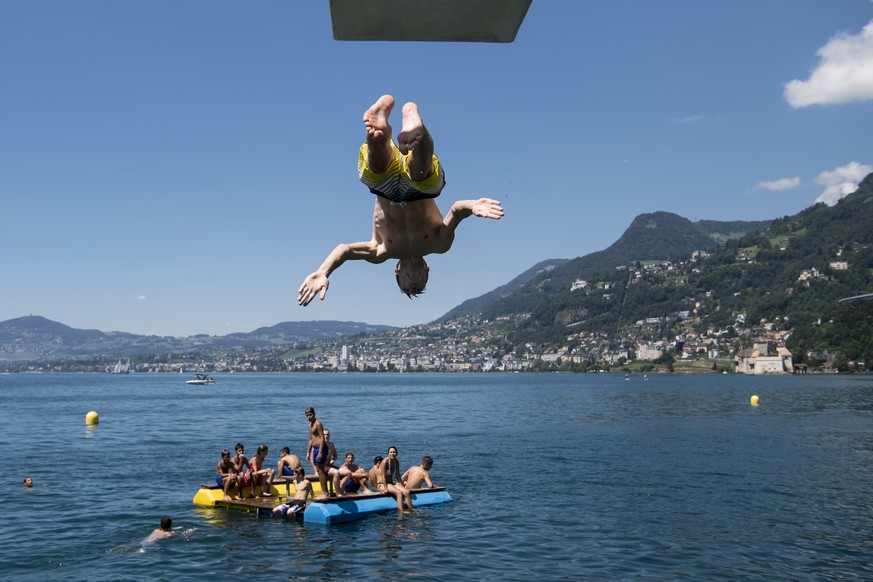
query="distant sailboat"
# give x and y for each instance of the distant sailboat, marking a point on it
(122, 367)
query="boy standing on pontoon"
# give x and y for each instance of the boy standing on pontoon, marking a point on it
(318, 451)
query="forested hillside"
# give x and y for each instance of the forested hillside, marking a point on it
(789, 276)
(659, 236)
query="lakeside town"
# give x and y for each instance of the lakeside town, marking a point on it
(473, 344)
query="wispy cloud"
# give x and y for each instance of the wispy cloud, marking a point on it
(780, 184)
(687, 119)
(843, 74)
(141, 298)
(841, 181)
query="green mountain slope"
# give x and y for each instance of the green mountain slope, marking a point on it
(788, 277)
(659, 236)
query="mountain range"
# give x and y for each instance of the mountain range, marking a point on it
(796, 267)
(36, 338)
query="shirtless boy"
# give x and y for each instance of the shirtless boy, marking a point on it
(407, 224)
(373, 473)
(165, 531)
(287, 463)
(228, 476)
(293, 505)
(331, 471)
(415, 476)
(351, 478)
(243, 469)
(318, 451)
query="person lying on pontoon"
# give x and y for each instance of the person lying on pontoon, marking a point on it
(297, 503)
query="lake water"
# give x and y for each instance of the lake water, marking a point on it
(553, 476)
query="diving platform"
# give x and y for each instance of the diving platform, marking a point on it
(428, 20)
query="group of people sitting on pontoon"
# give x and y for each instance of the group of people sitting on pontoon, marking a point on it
(235, 473)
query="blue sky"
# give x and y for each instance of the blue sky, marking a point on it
(176, 167)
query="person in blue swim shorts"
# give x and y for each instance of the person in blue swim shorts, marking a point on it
(406, 178)
(288, 463)
(317, 452)
(351, 477)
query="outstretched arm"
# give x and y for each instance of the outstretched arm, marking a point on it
(316, 283)
(483, 207)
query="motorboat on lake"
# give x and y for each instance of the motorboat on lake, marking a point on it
(201, 379)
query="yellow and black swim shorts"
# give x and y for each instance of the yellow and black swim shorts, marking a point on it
(395, 183)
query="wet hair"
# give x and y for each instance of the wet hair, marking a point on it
(285, 451)
(166, 523)
(378, 460)
(395, 448)
(239, 446)
(310, 409)
(225, 453)
(426, 460)
(262, 449)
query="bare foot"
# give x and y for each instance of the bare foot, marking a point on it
(412, 131)
(376, 118)
(226, 498)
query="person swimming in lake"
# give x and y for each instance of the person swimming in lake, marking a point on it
(166, 531)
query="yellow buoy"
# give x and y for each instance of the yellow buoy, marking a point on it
(754, 400)
(92, 418)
